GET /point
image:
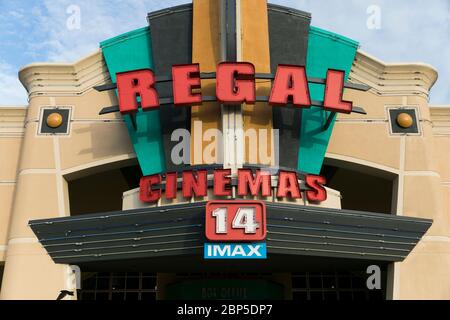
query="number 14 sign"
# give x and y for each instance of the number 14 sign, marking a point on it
(235, 221)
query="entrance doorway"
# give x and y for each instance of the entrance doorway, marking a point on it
(226, 286)
(302, 286)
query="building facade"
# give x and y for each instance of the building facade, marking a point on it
(71, 168)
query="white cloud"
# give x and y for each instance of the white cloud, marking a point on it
(99, 20)
(11, 90)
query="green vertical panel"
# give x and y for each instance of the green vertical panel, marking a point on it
(131, 51)
(326, 50)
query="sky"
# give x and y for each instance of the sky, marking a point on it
(66, 30)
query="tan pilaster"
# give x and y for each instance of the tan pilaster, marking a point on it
(39, 194)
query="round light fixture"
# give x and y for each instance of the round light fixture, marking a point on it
(54, 120)
(405, 120)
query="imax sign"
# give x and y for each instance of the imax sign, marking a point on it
(235, 250)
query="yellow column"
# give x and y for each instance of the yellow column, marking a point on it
(206, 52)
(254, 44)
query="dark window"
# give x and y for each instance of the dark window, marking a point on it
(117, 286)
(361, 191)
(334, 286)
(102, 192)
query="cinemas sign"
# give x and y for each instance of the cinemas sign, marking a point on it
(235, 228)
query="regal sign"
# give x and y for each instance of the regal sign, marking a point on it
(235, 84)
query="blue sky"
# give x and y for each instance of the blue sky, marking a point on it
(36, 31)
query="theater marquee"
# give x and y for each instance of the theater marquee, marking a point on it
(235, 85)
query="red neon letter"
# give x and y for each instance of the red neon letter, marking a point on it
(222, 180)
(317, 193)
(146, 193)
(185, 78)
(133, 84)
(290, 85)
(333, 93)
(192, 186)
(171, 185)
(288, 183)
(235, 83)
(246, 180)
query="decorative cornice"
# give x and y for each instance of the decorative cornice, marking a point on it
(386, 79)
(63, 79)
(12, 121)
(440, 117)
(393, 79)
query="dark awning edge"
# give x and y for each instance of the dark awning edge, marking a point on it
(178, 230)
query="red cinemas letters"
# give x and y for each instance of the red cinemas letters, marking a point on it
(235, 84)
(185, 79)
(195, 184)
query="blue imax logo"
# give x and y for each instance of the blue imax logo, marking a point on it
(235, 250)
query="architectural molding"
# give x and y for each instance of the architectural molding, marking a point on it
(62, 79)
(393, 79)
(440, 117)
(12, 121)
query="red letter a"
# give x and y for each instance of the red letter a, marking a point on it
(290, 85)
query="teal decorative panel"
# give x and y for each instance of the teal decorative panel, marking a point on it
(326, 50)
(131, 51)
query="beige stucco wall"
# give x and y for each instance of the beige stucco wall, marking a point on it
(47, 161)
(11, 135)
(420, 163)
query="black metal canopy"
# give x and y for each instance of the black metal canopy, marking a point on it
(163, 235)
